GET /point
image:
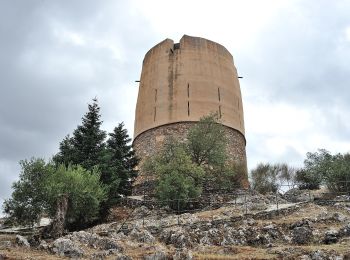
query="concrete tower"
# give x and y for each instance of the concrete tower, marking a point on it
(179, 84)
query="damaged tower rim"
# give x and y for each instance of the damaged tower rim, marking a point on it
(179, 84)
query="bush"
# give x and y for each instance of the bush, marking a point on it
(41, 185)
(27, 200)
(308, 180)
(84, 191)
(179, 179)
(264, 178)
(337, 177)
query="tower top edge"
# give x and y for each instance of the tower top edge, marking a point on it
(187, 41)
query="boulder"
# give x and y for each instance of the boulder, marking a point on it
(43, 245)
(296, 195)
(22, 241)
(331, 236)
(142, 236)
(302, 235)
(345, 230)
(66, 247)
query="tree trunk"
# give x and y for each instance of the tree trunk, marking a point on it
(56, 228)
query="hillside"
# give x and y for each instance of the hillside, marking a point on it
(249, 227)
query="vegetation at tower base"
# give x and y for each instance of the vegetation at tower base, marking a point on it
(179, 179)
(184, 169)
(114, 157)
(207, 145)
(40, 186)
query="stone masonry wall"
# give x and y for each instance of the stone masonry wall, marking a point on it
(149, 142)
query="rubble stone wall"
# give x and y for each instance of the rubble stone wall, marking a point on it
(151, 141)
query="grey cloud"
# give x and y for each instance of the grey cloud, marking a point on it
(46, 80)
(297, 58)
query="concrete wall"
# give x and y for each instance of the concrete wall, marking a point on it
(186, 81)
(179, 84)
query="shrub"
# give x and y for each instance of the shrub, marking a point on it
(179, 179)
(40, 186)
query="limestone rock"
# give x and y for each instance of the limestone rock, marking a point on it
(302, 235)
(43, 245)
(66, 247)
(331, 236)
(345, 231)
(142, 236)
(22, 241)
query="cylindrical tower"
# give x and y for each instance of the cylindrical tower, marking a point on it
(179, 84)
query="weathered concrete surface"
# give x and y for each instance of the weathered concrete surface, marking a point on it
(187, 82)
(180, 83)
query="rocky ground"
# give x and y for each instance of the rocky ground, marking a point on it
(247, 228)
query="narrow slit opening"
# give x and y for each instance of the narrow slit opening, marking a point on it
(219, 96)
(219, 111)
(155, 114)
(188, 108)
(188, 90)
(155, 95)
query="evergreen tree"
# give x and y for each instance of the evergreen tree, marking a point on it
(123, 157)
(66, 152)
(86, 145)
(118, 166)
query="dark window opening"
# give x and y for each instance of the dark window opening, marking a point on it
(188, 90)
(155, 114)
(188, 108)
(219, 96)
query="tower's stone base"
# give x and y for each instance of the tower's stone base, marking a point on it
(149, 142)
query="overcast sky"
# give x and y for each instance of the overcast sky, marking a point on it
(55, 56)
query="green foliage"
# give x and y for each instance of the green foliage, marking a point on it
(41, 184)
(179, 179)
(115, 158)
(207, 143)
(315, 167)
(26, 204)
(338, 177)
(207, 146)
(323, 167)
(122, 157)
(264, 178)
(86, 145)
(85, 193)
(117, 166)
(184, 169)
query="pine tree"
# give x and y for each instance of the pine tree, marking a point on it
(66, 152)
(118, 167)
(122, 157)
(86, 146)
